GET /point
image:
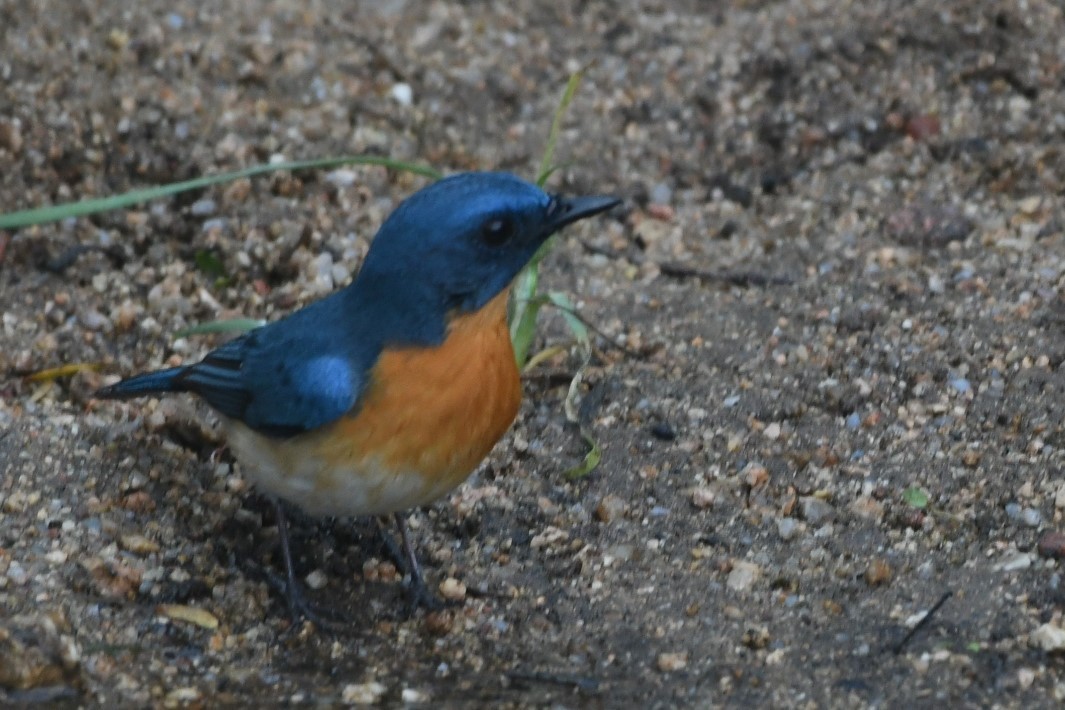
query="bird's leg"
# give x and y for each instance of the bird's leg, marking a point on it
(298, 604)
(420, 594)
(419, 591)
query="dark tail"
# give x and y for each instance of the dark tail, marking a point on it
(148, 383)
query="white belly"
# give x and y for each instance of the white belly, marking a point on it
(293, 473)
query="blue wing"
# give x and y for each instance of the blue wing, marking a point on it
(288, 377)
(278, 380)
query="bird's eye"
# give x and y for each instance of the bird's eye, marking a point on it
(497, 230)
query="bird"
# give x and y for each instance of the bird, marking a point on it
(388, 393)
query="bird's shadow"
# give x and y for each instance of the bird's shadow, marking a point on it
(339, 551)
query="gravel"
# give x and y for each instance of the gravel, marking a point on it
(837, 276)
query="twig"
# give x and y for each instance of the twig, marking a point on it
(550, 378)
(737, 278)
(921, 624)
(480, 592)
(598, 331)
(588, 685)
(681, 271)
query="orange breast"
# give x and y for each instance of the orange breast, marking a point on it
(435, 412)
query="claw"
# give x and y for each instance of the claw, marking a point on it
(418, 592)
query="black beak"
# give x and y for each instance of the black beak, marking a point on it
(567, 210)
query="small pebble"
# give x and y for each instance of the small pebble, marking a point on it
(669, 662)
(1031, 517)
(743, 576)
(138, 544)
(1048, 637)
(1016, 562)
(703, 496)
(788, 528)
(661, 194)
(867, 508)
(439, 623)
(1052, 545)
(815, 510)
(610, 508)
(756, 639)
(94, 320)
(362, 693)
(16, 574)
(452, 590)
(188, 614)
(663, 431)
(182, 697)
(342, 177)
(403, 94)
(317, 579)
(961, 385)
(410, 696)
(215, 224)
(877, 573)
(203, 208)
(549, 537)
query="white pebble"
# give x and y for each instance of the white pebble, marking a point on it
(1048, 637)
(362, 693)
(743, 576)
(403, 94)
(788, 528)
(453, 590)
(661, 194)
(316, 579)
(342, 177)
(410, 696)
(1019, 561)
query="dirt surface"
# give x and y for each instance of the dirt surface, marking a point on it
(837, 278)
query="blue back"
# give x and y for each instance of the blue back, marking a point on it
(439, 253)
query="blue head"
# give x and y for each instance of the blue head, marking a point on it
(459, 242)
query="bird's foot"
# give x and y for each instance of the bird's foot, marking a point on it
(301, 608)
(298, 605)
(404, 557)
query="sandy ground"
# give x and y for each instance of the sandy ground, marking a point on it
(837, 278)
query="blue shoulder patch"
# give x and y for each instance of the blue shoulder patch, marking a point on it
(329, 381)
(288, 377)
(290, 394)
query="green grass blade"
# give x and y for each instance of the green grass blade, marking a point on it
(556, 125)
(554, 169)
(524, 302)
(523, 316)
(569, 314)
(544, 355)
(54, 213)
(236, 325)
(591, 459)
